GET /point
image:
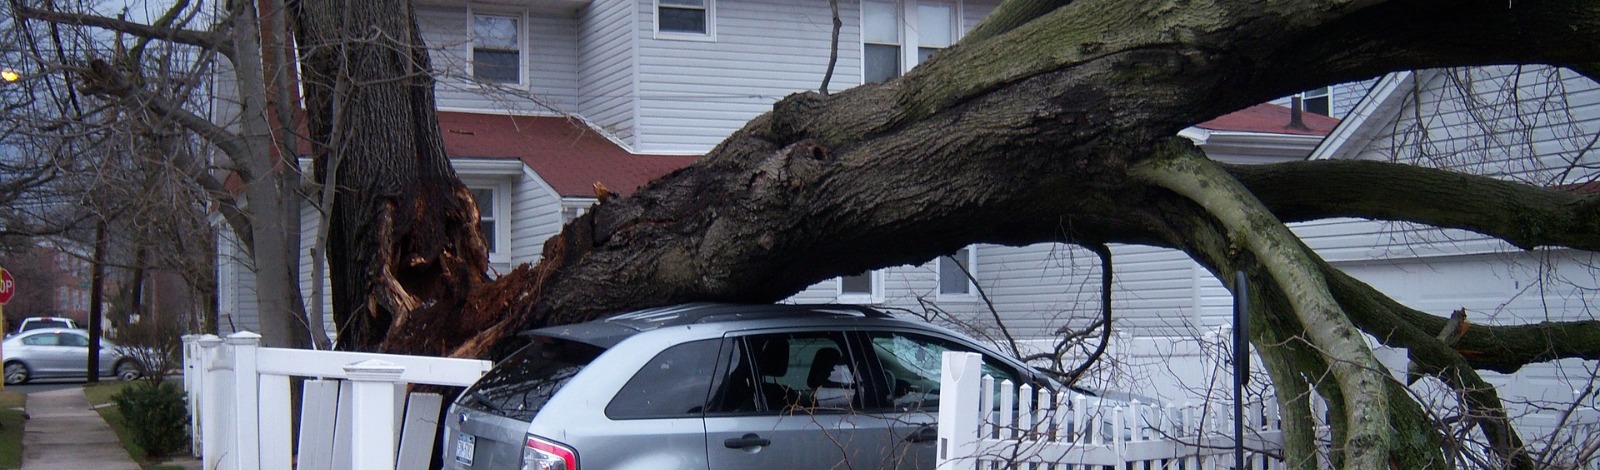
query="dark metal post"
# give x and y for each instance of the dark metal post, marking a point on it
(97, 284)
(1241, 362)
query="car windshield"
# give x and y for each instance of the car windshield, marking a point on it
(520, 385)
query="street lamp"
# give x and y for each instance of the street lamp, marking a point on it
(9, 75)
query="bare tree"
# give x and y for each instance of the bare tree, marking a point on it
(166, 75)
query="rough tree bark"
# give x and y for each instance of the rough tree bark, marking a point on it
(404, 247)
(1059, 114)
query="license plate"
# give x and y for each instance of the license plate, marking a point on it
(465, 444)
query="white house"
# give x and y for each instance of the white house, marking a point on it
(541, 99)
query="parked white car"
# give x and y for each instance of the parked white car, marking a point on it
(61, 353)
(35, 323)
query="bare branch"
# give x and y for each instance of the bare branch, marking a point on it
(204, 39)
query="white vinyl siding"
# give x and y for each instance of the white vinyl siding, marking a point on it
(548, 71)
(692, 95)
(607, 55)
(236, 286)
(1346, 95)
(536, 217)
(1517, 123)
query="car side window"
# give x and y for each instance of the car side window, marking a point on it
(41, 340)
(69, 339)
(674, 384)
(910, 364)
(788, 372)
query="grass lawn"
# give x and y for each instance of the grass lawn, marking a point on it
(11, 429)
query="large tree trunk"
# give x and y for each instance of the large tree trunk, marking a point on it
(404, 248)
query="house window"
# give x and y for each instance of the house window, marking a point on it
(880, 36)
(488, 217)
(935, 28)
(496, 49)
(926, 27)
(865, 287)
(1318, 101)
(683, 16)
(956, 272)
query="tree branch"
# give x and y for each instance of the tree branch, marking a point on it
(203, 39)
(1524, 215)
(1252, 228)
(1389, 322)
(101, 78)
(1106, 280)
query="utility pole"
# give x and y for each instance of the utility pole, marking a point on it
(96, 285)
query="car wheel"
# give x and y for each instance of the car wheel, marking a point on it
(17, 373)
(127, 370)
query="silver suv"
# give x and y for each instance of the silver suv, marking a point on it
(715, 386)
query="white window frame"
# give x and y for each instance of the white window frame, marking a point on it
(522, 44)
(1326, 92)
(972, 268)
(501, 208)
(711, 24)
(909, 44)
(873, 297)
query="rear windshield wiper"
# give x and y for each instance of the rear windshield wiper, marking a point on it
(477, 397)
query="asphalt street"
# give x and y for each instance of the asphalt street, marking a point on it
(45, 385)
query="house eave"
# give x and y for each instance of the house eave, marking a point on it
(1352, 132)
(505, 167)
(1255, 144)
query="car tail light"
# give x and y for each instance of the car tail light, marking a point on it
(542, 454)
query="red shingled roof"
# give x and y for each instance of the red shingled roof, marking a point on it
(564, 152)
(1269, 118)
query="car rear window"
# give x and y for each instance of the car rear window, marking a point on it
(521, 384)
(39, 324)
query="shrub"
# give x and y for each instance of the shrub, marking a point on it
(159, 414)
(153, 346)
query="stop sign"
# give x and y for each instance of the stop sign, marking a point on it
(8, 286)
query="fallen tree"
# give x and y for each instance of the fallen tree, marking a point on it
(1060, 114)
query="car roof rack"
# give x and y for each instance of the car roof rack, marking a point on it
(711, 312)
(611, 330)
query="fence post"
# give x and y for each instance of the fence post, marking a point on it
(191, 389)
(958, 410)
(372, 413)
(211, 405)
(246, 401)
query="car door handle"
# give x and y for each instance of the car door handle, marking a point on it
(746, 441)
(925, 433)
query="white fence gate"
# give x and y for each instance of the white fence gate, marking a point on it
(981, 426)
(239, 405)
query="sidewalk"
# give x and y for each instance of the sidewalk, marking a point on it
(62, 433)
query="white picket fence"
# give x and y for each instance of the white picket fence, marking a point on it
(1030, 428)
(239, 402)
